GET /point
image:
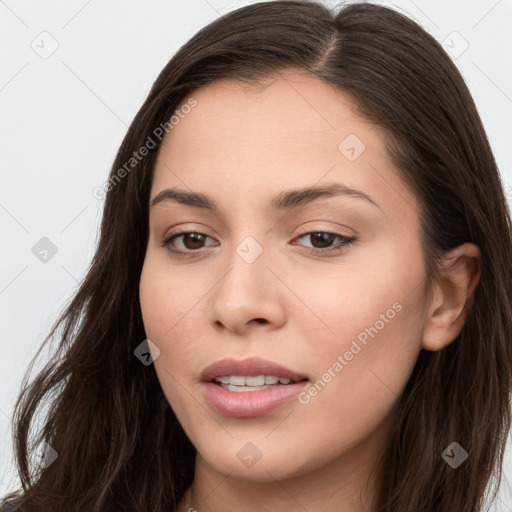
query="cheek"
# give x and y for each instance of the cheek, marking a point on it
(160, 311)
(377, 297)
(358, 383)
(166, 306)
(374, 300)
(164, 300)
(370, 342)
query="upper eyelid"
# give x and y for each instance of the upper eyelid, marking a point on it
(305, 231)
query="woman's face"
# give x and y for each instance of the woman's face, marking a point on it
(245, 281)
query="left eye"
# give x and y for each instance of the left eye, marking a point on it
(326, 237)
(193, 240)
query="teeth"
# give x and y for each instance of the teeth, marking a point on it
(256, 380)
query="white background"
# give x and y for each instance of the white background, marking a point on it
(63, 118)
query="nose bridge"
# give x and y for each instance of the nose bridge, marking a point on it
(247, 265)
(249, 289)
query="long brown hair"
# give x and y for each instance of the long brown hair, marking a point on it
(119, 445)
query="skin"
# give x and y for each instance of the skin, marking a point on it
(241, 146)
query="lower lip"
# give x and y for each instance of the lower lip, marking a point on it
(248, 404)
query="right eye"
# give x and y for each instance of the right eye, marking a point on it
(189, 238)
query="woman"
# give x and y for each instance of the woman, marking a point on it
(300, 298)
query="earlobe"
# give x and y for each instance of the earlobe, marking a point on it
(452, 296)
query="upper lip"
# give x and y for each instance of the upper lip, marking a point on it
(248, 367)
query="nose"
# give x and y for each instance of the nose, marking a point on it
(249, 294)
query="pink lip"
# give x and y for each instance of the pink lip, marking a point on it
(248, 367)
(249, 404)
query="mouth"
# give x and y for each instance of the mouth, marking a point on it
(251, 387)
(250, 372)
(240, 383)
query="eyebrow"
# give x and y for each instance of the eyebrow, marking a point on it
(283, 201)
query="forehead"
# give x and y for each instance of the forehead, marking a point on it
(290, 113)
(292, 131)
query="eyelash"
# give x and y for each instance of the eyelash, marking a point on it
(345, 241)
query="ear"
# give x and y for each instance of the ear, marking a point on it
(452, 296)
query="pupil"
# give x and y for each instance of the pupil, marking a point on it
(192, 235)
(327, 238)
